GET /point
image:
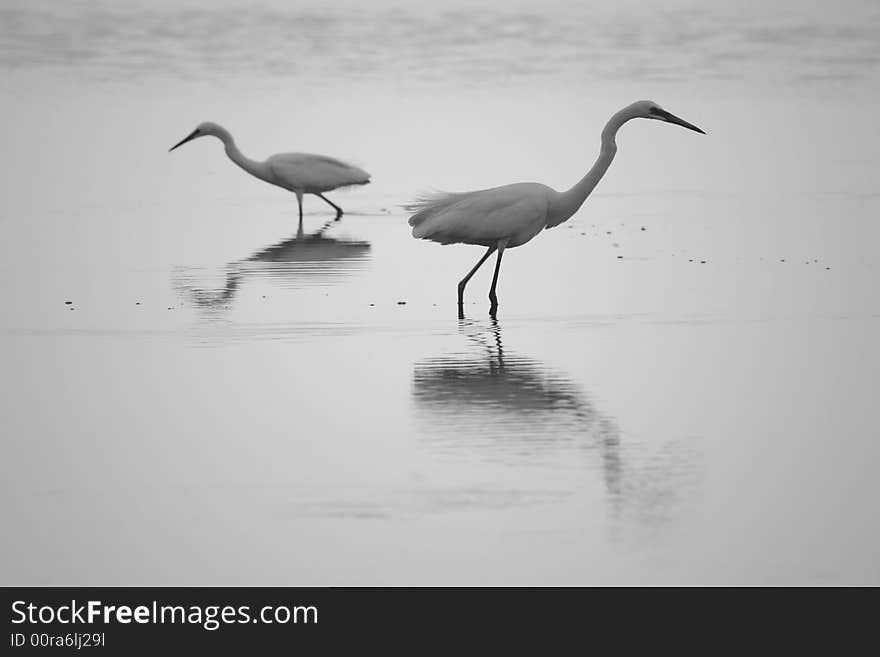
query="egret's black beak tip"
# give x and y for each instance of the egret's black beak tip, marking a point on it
(189, 137)
(672, 118)
(685, 124)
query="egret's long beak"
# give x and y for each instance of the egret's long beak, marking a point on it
(189, 137)
(672, 118)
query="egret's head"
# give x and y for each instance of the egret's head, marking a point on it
(648, 109)
(202, 130)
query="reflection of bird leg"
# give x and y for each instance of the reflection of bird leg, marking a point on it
(321, 230)
(332, 205)
(464, 281)
(496, 329)
(479, 336)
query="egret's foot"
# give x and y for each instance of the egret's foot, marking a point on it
(460, 310)
(339, 214)
(493, 310)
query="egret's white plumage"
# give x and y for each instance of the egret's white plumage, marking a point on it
(300, 173)
(514, 212)
(511, 215)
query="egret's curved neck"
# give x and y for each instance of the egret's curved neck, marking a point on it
(253, 167)
(571, 200)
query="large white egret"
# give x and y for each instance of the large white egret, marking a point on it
(300, 173)
(503, 217)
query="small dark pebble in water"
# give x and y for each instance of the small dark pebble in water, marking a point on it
(372, 304)
(702, 262)
(137, 303)
(67, 303)
(401, 303)
(607, 232)
(620, 257)
(583, 233)
(690, 259)
(827, 268)
(782, 260)
(71, 308)
(643, 228)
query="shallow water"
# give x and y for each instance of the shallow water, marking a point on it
(679, 386)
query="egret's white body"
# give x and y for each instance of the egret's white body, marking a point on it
(511, 215)
(300, 173)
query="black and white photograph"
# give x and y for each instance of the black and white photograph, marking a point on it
(410, 293)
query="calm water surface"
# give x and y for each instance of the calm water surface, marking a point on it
(680, 386)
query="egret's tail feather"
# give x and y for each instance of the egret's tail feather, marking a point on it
(428, 204)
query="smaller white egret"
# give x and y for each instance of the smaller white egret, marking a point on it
(300, 173)
(511, 215)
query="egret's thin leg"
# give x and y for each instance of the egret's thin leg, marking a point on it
(463, 282)
(332, 205)
(299, 201)
(492, 296)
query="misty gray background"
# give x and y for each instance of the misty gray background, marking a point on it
(225, 402)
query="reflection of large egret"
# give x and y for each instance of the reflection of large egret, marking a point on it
(302, 260)
(492, 401)
(488, 402)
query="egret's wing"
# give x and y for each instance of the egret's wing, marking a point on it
(315, 173)
(482, 217)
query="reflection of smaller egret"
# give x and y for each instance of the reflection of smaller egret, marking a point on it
(304, 259)
(300, 173)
